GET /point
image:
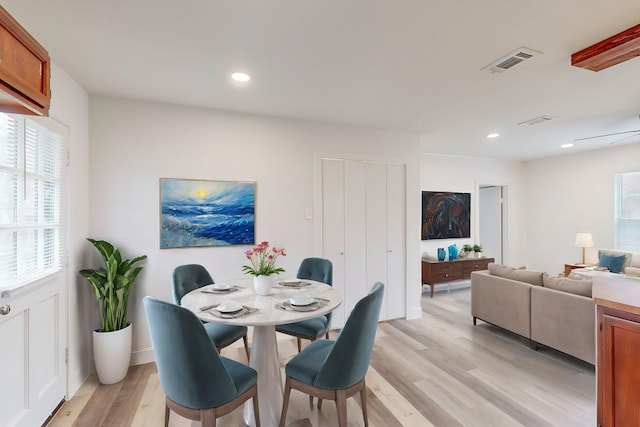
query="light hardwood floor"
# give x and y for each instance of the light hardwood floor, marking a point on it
(439, 370)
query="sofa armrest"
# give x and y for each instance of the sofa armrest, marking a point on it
(502, 302)
(564, 321)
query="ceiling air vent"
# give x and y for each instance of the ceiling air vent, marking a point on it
(537, 120)
(511, 60)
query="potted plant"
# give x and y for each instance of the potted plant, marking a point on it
(263, 266)
(111, 285)
(467, 249)
(478, 250)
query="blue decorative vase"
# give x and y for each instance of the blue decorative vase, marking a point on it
(441, 254)
(453, 252)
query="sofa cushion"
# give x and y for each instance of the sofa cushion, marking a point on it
(635, 260)
(632, 271)
(628, 256)
(565, 284)
(615, 263)
(531, 277)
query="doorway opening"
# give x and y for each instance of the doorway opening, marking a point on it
(492, 220)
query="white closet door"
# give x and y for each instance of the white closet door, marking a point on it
(355, 253)
(396, 236)
(333, 211)
(363, 232)
(376, 229)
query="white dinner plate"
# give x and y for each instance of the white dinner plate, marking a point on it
(220, 287)
(301, 301)
(290, 282)
(229, 307)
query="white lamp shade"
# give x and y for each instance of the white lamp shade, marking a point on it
(584, 240)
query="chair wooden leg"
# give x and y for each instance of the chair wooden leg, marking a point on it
(341, 404)
(166, 415)
(327, 335)
(208, 418)
(299, 344)
(285, 401)
(319, 403)
(363, 403)
(246, 345)
(256, 408)
(310, 402)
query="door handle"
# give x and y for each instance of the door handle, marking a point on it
(5, 309)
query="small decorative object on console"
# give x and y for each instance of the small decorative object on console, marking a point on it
(453, 252)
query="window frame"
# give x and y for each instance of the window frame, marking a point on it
(37, 181)
(623, 223)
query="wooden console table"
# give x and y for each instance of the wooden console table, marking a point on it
(447, 271)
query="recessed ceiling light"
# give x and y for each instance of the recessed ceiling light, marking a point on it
(566, 146)
(493, 135)
(240, 77)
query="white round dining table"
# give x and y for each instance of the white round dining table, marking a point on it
(264, 348)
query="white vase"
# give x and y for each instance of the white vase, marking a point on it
(112, 354)
(262, 284)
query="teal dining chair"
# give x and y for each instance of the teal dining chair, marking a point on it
(320, 270)
(336, 370)
(188, 277)
(198, 383)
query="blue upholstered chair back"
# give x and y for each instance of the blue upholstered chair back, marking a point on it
(318, 269)
(187, 278)
(348, 361)
(190, 370)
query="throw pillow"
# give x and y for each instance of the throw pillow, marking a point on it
(564, 284)
(627, 259)
(531, 277)
(612, 262)
(632, 271)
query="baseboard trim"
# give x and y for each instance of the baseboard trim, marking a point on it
(140, 357)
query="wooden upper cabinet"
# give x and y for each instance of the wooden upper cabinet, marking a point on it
(25, 70)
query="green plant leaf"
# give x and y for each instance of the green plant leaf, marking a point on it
(111, 285)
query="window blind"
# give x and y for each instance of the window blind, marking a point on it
(32, 184)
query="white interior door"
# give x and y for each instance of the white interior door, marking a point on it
(32, 337)
(363, 232)
(376, 227)
(333, 227)
(396, 241)
(490, 235)
(355, 252)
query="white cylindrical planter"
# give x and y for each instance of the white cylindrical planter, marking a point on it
(112, 354)
(262, 284)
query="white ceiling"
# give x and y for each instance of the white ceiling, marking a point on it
(404, 65)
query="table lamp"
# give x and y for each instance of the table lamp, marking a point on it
(584, 240)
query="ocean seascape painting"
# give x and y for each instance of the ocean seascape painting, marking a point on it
(206, 213)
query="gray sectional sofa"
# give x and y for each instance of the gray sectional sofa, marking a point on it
(553, 311)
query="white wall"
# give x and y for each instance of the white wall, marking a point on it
(571, 194)
(133, 144)
(70, 107)
(466, 175)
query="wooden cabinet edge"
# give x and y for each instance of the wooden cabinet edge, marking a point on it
(17, 95)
